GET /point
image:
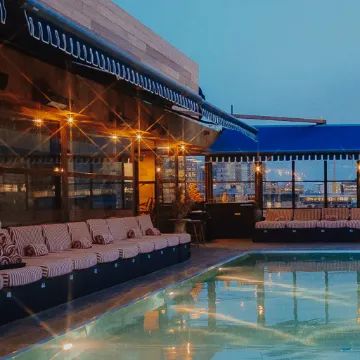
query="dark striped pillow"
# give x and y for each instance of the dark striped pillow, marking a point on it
(36, 250)
(83, 243)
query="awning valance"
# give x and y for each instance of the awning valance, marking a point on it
(88, 49)
(2, 12)
(288, 142)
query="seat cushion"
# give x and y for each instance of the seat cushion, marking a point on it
(126, 250)
(57, 237)
(22, 276)
(51, 267)
(144, 246)
(26, 235)
(1, 282)
(279, 214)
(353, 224)
(337, 224)
(99, 227)
(104, 253)
(271, 224)
(158, 241)
(307, 214)
(82, 259)
(302, 224)
(337, 213)
(184, 238)
(355, 214)
(172, 239)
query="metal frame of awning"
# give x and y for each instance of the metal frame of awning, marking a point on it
(2, 12)
(87, 49)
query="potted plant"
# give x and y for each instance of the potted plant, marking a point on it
(181, 207)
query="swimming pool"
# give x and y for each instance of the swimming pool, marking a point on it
(264, 306)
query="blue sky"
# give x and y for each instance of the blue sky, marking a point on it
(267, 57)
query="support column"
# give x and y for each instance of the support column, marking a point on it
(325, 183)
(209, 190)
(64, 171)
(293, 179)
(259, 185)
(135, 162)
(358, 182)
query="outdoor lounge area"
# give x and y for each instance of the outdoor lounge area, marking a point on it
(138, 220)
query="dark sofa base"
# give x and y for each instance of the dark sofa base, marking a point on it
(306, 235)
(23, 301)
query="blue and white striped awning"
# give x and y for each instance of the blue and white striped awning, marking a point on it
(61, 34)
(2, 12)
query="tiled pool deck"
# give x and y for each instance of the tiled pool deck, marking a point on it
(56, 321)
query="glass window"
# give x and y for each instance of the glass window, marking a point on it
(309, 170)
(341, 170)
(309, 194)
(277, 171)
(233, 182)
(277, 194)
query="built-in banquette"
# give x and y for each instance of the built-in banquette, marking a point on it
(45, 265)
(327, 224)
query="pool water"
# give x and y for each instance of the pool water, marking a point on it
(279, 306)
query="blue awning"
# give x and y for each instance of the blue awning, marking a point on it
(279, 142)
(2, 12)
(86, 48)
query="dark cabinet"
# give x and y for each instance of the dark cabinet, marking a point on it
(231, 220)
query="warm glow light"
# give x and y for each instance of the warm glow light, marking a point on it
(258, 168)
(138, 137)
(158, 169)
(182, 147)
(38, 122)
(70, 120)
(58, 170)
(260, 310)
(114, 138)
(67, 347)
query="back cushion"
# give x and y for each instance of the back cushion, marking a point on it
(117, 229)
(338, 213)
(145, 223)
(98, 227)
(355, 214)
(79, 231)
(279, 214)
(9, 254)
(307, 214)
(26, 235)
(57, 237)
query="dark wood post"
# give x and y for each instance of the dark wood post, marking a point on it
(325, 183)
(209, 195)
(259, 185)
(358, 182)
(293, 179)
(64, 170)
(135, 162)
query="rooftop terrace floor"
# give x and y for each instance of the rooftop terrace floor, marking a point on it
(80, 311)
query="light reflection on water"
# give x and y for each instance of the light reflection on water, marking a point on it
(257, 308)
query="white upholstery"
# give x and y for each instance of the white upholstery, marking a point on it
(51, 267)
(353, 224)
(22, 276)
(117, 228)
(298, 224)
(271, 224)
(337, 224)
(81, 259)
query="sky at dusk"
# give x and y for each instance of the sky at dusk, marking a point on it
(267, 57)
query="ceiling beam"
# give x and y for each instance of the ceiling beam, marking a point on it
(280, 118)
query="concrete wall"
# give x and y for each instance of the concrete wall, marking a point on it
(108, 20)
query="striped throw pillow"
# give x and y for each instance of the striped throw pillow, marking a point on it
(36, 250)
(131, 234)
(83, 243)
(103, 239)
(152, 232)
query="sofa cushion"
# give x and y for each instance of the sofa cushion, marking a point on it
(103, 239)
(307, 214)
(353, 224)
(338, 213)
(144, 246)
(51, 267)
(19, 277)
(329, 224)
(83, 243)
(9, 254)
(26, 235)
(78, 231)
(99, 227)
(36, 250)
(117, 228)
(145, 223)
(104, 253)
(57, 237)
(306, 224)
(271, 224)
(82, 259)
(279, 214)
(126, 249)
(355, 214)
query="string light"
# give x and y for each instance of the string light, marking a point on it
(158, 169)
(138, 137)
(182, 148)
(38, 122)
(114, 138)
(70, 120)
